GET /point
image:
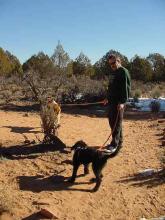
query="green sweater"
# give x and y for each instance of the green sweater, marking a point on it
(119, 86)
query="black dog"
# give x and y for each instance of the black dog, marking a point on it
(85, 155)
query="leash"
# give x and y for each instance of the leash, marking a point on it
(111, 131)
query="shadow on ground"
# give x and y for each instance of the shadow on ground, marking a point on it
(84, 109)
(27, 151)
(21, 130)
(51, 183)
(35, 216)
(138, 180)
(20, 108)
(87, 109)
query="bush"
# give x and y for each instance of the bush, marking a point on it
(156, 93)
(155, 106)
(137, 95)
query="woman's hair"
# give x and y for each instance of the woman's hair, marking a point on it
(114, 56)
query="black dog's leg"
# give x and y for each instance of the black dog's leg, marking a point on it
(97, 171)
(73, 177)
(93, 180)
(86, 169)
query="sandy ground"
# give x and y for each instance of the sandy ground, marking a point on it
(31, 182)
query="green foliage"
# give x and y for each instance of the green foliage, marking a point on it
(155, 106)
(157, 62)
(5, 67)
(40, 64)
(147, 69)
(15, 64)
(102, 67)
(9, 64)
(140, 69)
(82, 66)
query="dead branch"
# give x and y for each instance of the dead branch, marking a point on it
(48, 123)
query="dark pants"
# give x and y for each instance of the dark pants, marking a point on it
(113, 115)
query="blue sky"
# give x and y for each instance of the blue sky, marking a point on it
(91, 26)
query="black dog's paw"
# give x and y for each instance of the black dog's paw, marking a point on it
(93, 180)
(70, 180)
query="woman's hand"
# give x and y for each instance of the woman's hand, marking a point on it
(120, 106)
(105, 101)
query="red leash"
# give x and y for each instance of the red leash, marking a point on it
(111, 130)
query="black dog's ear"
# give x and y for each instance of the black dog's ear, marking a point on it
(80, 143)
(74, 146)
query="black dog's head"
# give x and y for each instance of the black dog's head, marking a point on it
(79, 144)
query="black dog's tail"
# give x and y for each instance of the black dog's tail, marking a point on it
(107, 155)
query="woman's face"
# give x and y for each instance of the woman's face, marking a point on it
(49, 99)
(114, 63)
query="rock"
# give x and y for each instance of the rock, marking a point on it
(26, 115)
(48, 213)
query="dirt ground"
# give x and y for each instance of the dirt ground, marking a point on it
(29, 182)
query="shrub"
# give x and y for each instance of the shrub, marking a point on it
(156, 93)
(137, 95)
